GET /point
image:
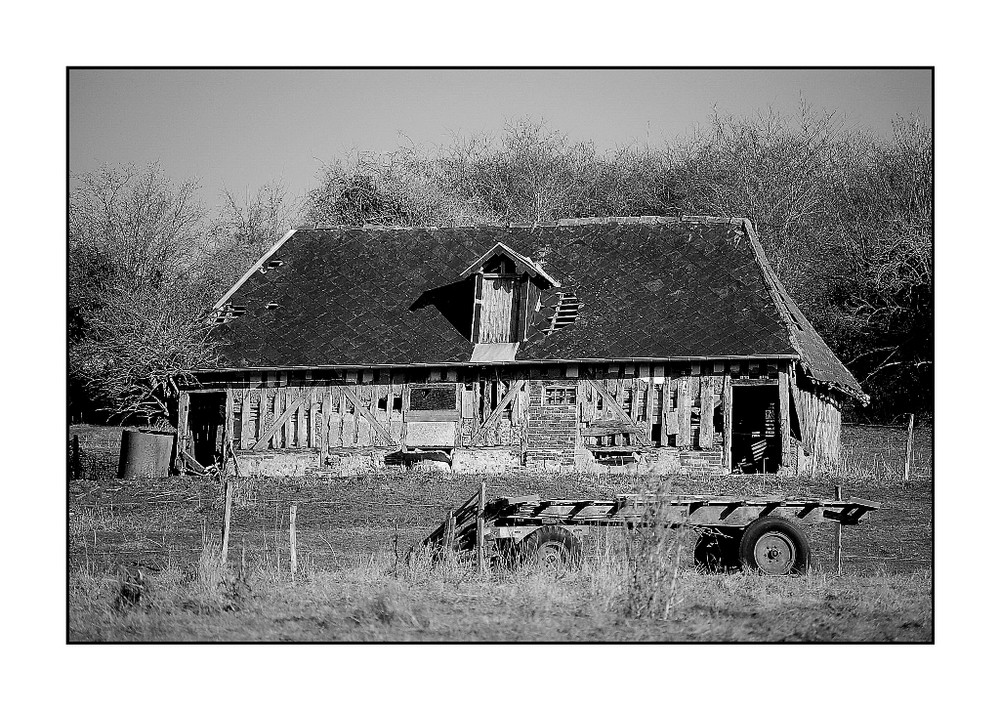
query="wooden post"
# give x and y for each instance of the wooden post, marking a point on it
(183, 406)
(226, 518)
(727, 423)
(449, 532)
(784, 411)
(291, 540)
(909, 451)
(480, 529)
(838, 540)
(76, 473)
(683, 413)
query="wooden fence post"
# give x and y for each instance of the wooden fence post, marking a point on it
(226, 518)
(909, 451)
(480, 529)
(76, 473)
(838, 540)
(449, 532)
(291, 540)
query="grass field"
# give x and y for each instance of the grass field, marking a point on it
(354, 583)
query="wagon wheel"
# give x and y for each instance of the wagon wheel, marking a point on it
(551, 547)
(715, 551)
(774, 546)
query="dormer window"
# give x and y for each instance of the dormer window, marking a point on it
(501, 277)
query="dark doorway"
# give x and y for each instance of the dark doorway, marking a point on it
(756, 436)
(207, 422)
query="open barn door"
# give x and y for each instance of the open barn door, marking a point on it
(207, 422)
(756, 438)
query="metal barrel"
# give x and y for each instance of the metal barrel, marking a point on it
(145, 454)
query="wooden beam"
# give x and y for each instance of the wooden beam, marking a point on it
(480, 432)
(279, 421)
(616, 409)
(785, 423)
(288, 431)
(804, 422)
(727, 423)
(706, 435)
(650, 393)
(683, 412)
(361, 409)
(183, 431)
(190, 461)
(245, 431)
(227, 438)
(326, 414)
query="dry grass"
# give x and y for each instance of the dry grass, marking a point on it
(355, 584)
(380, 598)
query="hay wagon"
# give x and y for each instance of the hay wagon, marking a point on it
(762, 534)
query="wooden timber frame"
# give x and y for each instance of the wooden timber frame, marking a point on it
(582, 409)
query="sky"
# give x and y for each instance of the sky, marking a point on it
(240, 129)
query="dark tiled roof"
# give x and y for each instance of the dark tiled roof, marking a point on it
(648, 288)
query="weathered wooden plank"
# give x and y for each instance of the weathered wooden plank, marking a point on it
(246, 431)
(727, 422)
(279, 422)
(617, 410)
(183, 427)
(785, 424)
(326, 418)
(291, 394)
(607, 428)
(670, 423)
(707, 433)
(487, 425)
(228, 436)
(367, 414)
(306, 428)
(805, 421)
(683, 412)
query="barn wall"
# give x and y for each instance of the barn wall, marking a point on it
(818, 414)
(325, 421)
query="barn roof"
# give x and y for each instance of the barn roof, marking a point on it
(648, 288)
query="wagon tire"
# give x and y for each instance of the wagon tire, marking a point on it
(551, 547)
(716, 552)
(774, 546)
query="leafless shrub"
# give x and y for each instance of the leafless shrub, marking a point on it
(653, 554)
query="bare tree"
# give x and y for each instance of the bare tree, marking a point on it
(245, 227)
(136, 314)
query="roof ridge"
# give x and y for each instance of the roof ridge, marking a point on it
(565, 222)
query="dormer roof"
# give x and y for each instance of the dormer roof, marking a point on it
(520, 260)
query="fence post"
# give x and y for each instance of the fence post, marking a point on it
(76, 473)
(838, 540)
(909, 451)
(480, 530)
(449, 532)
(226, 518)
(291, 540)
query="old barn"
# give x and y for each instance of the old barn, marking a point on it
(572, 344)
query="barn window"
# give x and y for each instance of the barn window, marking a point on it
(432, 398)
(555, 396)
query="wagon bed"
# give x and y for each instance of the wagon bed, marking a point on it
(730, 526)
